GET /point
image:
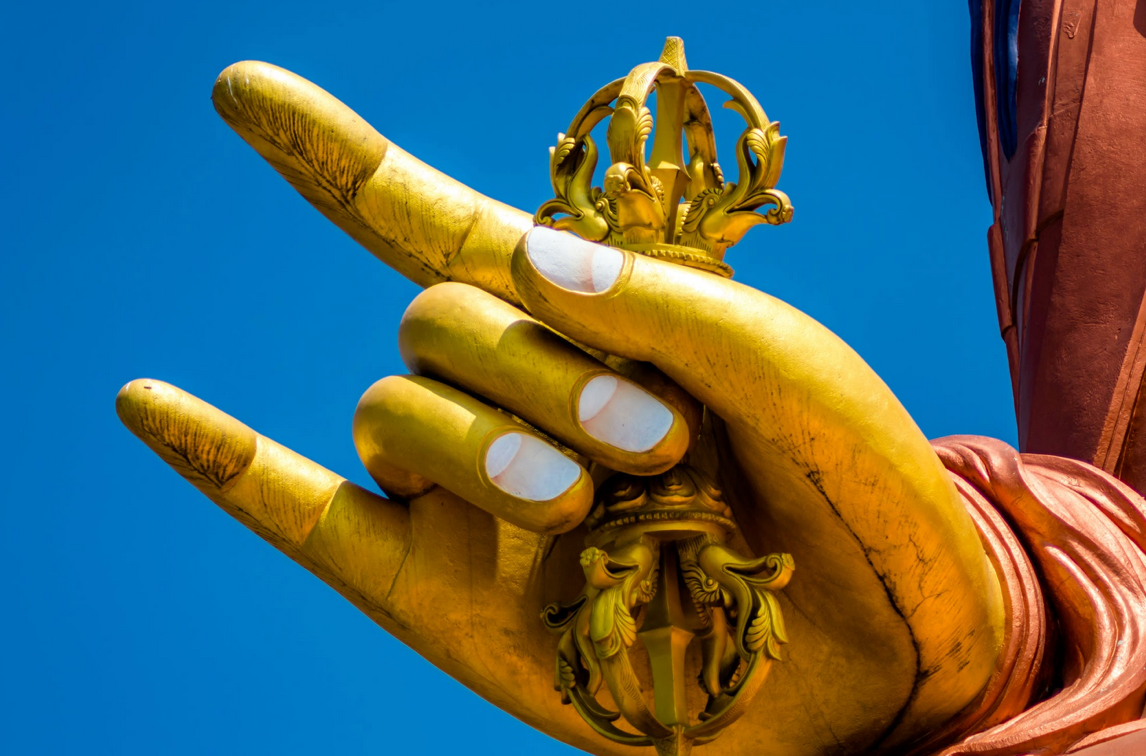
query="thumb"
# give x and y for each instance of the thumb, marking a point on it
(749, 357)
(843, 478)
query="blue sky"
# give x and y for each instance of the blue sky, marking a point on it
(145, 239)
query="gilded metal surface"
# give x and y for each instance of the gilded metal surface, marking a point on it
(896, 619)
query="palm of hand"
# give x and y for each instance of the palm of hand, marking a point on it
(895, 617)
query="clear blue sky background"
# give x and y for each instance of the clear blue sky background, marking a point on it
(144, 239)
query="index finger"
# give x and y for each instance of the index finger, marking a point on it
(419, 221)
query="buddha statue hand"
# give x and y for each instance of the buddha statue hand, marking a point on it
(539, 362)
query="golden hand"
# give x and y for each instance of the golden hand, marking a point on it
(895, 616)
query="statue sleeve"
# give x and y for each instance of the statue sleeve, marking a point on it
(1068, 542)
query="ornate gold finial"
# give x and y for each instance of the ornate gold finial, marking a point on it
(666, 207)
(657, 568)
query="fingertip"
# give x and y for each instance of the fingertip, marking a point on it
(528, 468)
(549, 492)
(143, 396)
(625, 416)
(423, 318)
(318, 143)
(394, 480)
(371, 404)
(570, 262)
(205, 445)
(239, 82)
(130, 395)
(432, 433)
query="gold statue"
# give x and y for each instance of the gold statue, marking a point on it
(619, 392)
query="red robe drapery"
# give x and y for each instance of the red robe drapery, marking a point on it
(1069, 544)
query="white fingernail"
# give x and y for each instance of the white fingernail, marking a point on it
(573, 263)
(620, 414)
(529, 468)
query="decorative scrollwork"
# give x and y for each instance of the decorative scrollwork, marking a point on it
(571, 166)
(704, 590)
(670, 201)
(662, 530)
(722, 216)
(617, 581)
(759, 624)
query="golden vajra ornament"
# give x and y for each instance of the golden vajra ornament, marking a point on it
(658, 566)
(666, 207)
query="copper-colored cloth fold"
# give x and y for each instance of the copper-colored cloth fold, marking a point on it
(1069, 544)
